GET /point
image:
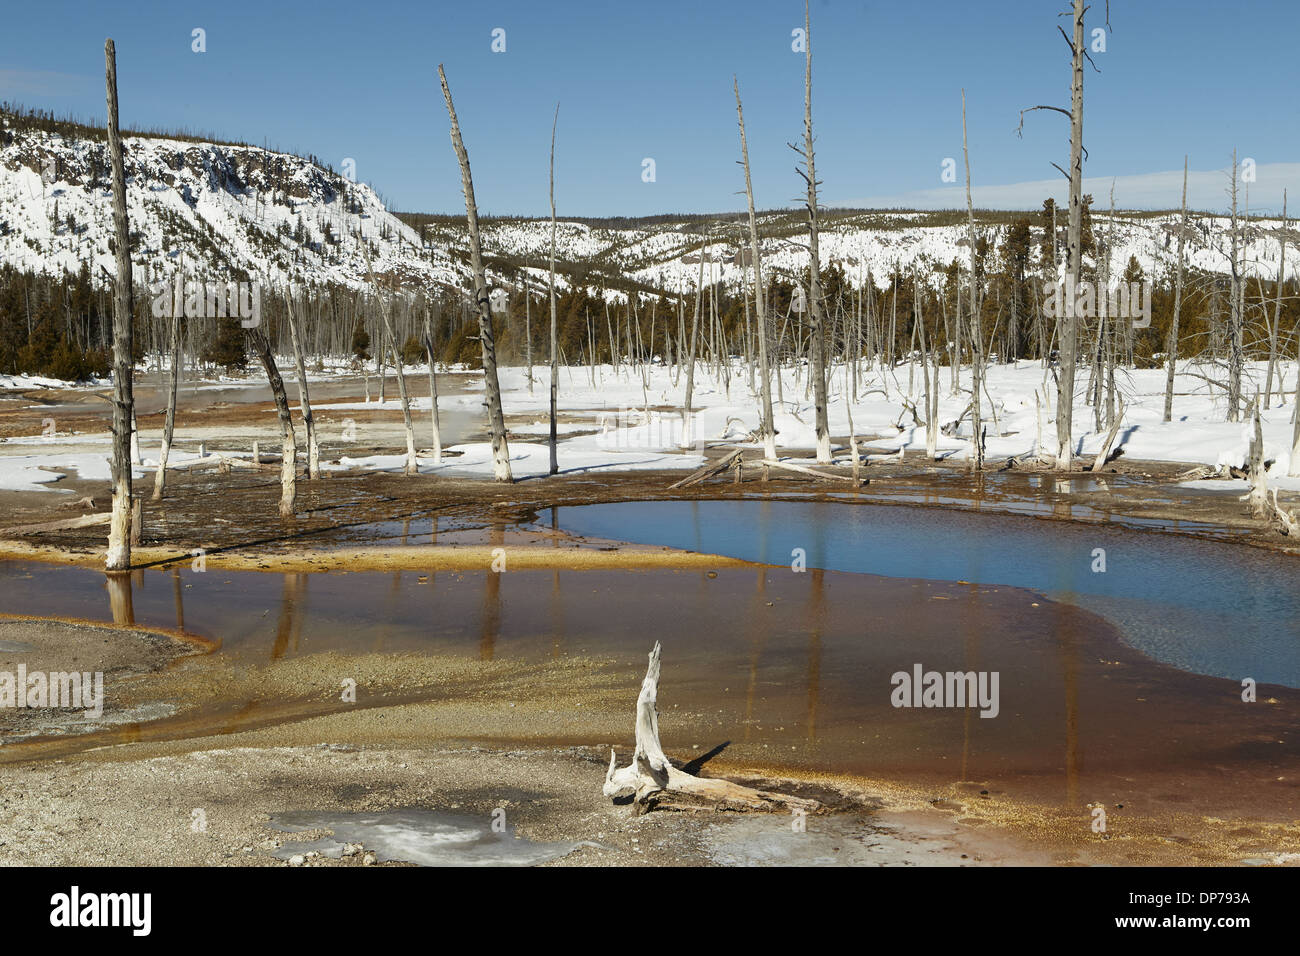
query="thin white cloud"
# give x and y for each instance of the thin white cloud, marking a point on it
(1206, 190)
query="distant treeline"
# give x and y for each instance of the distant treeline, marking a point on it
(15, 119)
(59, 325)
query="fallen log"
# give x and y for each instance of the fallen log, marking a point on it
(85, 521)
(826, 476)
(230, 462)
(654, 782)
(708, 471)
(1104, 453)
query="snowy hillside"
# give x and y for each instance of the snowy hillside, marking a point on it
(235, 211)
(224, 209)
(665, 256)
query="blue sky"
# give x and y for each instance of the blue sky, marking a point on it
(653, 80)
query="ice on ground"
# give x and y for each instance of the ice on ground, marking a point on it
(424, 837)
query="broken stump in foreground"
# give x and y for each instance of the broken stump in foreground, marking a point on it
(655, 782)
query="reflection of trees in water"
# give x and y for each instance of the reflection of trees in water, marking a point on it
(1067, 641)
(289, 626)
(178, 590)
(974, 624)
(817, 615)
(758, 637)
(491, 628)
(120, 600)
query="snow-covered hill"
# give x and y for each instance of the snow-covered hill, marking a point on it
(666, 255)
(250, 213)
(224, 209)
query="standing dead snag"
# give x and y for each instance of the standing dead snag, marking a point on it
(169, 425)
(555, 347)
(1262, 504)
(977, 333)
(289, 461)
(654, 781)
(304, 398)
(119, 529)
(766, 425)
(390, 335)
(496, 420)
(1074, 238)
(1172, 347)
(433, 391)
(816, 320)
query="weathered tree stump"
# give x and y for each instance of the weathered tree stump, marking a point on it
(653, 781)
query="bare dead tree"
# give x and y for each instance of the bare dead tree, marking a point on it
(261, 346)
(1178, 301)
(119, 528)
(169, 423)
(688, 426)
(528, 334)
(766, 425)
(496, 419)
(433, 390)
(1236, 320)
(412, 462)
(555, 340)
(816, 319)
(304, 399)
(412, 466)
(977, 335)
(1276, 324)
(1067, 336)
(1294, 470)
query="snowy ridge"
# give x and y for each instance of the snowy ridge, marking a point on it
(227, 210)
(246, 212)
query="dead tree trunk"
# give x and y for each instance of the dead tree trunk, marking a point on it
(1275, 327)
(1294, 470)
(977, 334)
(1236, 319)
(688, 425)
(1258, 494)
(528, 334)
(304, 399)
(169, 423)
(261, 346)
(555, 341)
(1178, 302)
(766, 425)
(1067, 333)
(496, 419)
(816, 320)
(433, 391)
(119, 529)
(1065, 390)
(412, 463)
